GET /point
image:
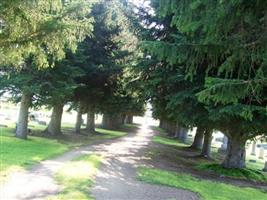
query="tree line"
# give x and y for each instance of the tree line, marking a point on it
(74, 53)
(204, 66)
(199, 63)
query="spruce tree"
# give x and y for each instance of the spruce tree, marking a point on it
(42, 28)
(228, 45)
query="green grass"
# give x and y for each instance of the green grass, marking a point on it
(77, 177)
(74, 140)
(252, 172)
(17, 153)
(168, 141)
(249, 174)
(207, 190)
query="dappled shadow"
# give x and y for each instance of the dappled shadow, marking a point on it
(117, 177)
(186, 160)
(39, 179)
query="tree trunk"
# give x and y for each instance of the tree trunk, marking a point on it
(78, 120)
(206, 149)
(236, 153)
(129, 119)
(171, 128)
(265, 167)
(164, 125)
(22, 124)
(90, 125)
(54, 126)
(177, 131)
(123, 119)
(111, 121)
(198, 140)
(160, 123)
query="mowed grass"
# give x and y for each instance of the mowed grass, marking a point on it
(252, 172)
(17, 154)
(206, 190)
(77, 177)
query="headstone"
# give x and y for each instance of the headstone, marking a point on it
(261, 154)
(224, 144)
(223, 147)
(183, 134)
(253, 148)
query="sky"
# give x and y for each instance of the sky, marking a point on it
(144, 4)
(140, 2)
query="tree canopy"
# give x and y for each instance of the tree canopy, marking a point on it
(205, 65)
(199, 63)
(26, 28)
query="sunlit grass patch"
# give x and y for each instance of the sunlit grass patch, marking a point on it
(16, 153)
(77, 177)
(207, 190)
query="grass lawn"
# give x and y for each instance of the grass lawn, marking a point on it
(18, 154)
(77, 177)
(207, 190)
(252, 172)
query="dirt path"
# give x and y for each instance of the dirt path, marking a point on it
(38, 182)
(115, 180)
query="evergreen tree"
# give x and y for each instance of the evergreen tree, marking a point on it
(26, 27)
(222, 44)
(25, 41)
(105, 58)
(58, 89)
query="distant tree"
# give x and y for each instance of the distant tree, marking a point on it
(104, 59)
